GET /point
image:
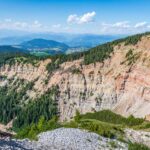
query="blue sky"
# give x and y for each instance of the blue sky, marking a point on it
(76, 16)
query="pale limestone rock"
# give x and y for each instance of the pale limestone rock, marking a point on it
(113, 84)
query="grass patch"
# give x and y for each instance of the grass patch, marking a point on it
(101, 128)
(110, 117)
(113, 144)
(136, 146)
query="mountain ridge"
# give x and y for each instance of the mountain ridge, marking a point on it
(43, 43)
(70, 39)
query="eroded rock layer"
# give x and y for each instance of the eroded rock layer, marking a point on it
(121, 83)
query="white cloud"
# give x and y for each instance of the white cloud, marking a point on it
(120, 27)
(85, 18)
(122, 24)
(124, 27)
(36, 24)
(148, 26)
(56, 26)
(19, 25)
(140, 24)
(72, 19)
(88, 17)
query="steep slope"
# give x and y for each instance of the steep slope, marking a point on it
(120, 81)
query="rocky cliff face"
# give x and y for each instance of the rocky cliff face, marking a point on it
(121, 83)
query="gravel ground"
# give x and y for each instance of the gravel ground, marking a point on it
(64, 139)
(134, 136)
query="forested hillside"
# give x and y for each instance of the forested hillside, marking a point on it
(15, 103)
(8, 52)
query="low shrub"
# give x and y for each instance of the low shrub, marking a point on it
(33, 130)
(76, 71)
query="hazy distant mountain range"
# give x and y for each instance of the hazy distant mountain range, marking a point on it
(73, 40)
(43, 47)
(54, 43)
(42, 43)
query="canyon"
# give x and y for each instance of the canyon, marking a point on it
(120, 83)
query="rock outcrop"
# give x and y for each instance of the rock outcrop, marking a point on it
(120, 83)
